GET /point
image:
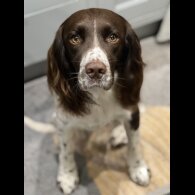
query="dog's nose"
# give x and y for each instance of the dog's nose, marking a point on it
(95, 70)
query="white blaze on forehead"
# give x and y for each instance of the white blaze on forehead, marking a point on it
(95, 39)
(93, 55)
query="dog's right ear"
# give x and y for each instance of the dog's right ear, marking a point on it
(57, 63)
(61, 78)
(58, 71)
(55, 56)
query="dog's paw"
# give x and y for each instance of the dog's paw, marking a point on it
(67, 182)
(140, 174)
(118, 136)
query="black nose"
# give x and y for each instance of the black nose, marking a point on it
(95, 70)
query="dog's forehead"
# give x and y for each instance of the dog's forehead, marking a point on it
(101, 16)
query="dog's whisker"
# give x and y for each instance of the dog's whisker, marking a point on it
(72, 78)
(120, 78)
(113, 60)
(76, 61)
(76, 87)
(120, 85)
(74, 73)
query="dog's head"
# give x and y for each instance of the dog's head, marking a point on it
(94, 48)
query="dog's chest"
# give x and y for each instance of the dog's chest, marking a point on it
(106, 110)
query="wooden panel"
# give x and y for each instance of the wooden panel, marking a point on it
(107, 166)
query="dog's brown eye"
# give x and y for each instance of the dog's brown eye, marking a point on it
(112, 38)
(75, 40)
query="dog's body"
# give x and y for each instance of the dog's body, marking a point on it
(95, 70)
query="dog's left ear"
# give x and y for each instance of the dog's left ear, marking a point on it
(128, 90)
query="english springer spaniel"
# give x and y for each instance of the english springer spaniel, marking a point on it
(95, 71)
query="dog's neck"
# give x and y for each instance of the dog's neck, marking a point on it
(99, 94)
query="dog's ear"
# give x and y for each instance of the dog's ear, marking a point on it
(61, 78)
(128, 90)
(57, 62)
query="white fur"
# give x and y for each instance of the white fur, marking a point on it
(94, 54)
(118, 136)
(95, 42)
(67, 181)
(106, 110)
(67, 172)
(140, 174)
(138, 170)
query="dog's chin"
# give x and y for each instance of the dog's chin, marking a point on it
(87, 86)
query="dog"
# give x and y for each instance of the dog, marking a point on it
(95, 73)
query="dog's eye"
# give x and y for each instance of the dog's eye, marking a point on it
(75, 39)
(112, 38)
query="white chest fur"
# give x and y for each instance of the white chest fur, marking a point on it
(106, 110)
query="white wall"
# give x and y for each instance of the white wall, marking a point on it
(43, 17)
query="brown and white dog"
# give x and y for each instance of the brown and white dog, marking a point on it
(95, 71)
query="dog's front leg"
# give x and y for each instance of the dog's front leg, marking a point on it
(138, 170)
(67, 178)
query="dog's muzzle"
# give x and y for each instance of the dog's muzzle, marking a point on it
(95, 70)
(95, 74)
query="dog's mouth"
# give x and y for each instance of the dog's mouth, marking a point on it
(86, 83)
